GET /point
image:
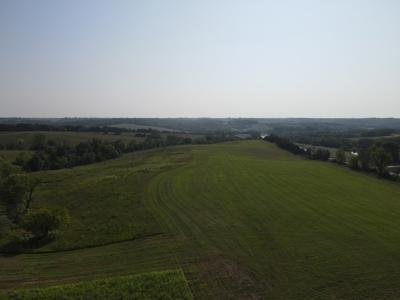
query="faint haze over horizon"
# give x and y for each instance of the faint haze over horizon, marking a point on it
(225, 58)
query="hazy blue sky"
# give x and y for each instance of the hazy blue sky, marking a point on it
(200, 58)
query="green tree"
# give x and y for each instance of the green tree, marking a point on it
(13, 194)
(22, 159)
(322, 154)
(6, 169)
(44, 221)
(364, 158)
(392, 149)
(173, 140)
(39, 142)
(15, 240)
(132, 146)
(36, 163)
(340, 156)
(381, 159)
(353, 162)
(187, 140)
(16, 191)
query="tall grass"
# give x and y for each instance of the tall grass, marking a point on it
(156, 285)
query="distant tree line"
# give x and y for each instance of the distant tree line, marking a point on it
(328, 135)
(285, 144)
(22, 127)
(375, 157)
(311, 153)
(50, 155)
(153, 136)
(75, 128)
(18, 127)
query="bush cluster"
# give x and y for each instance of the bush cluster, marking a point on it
(21, 226)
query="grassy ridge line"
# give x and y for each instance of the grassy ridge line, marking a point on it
(166, 285)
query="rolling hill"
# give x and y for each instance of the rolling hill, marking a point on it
(242, 220)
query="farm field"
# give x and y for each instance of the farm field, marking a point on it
(242, 220)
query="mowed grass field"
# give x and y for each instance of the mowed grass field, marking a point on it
(243, 220)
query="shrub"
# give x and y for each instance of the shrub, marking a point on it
(44, 221)
(13, 194)
(380, 159)
(15, 240)
(340, 156)
(353, 162)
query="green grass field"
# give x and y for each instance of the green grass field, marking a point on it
(243, 220)
(168, 285)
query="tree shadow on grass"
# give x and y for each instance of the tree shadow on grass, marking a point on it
(15, 248)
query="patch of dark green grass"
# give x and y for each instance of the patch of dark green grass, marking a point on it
(156, 285)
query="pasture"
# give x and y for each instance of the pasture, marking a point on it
(243, 220)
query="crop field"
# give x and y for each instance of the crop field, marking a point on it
(242, 220)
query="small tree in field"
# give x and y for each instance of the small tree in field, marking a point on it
(16, 193)
(353, 162)
(364, 158)
(381, 160)
(340, 156)
(44, 221)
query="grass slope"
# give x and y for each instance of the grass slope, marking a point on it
(243, 220)
(156, 285)
(106, 200)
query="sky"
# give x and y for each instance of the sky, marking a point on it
(209, 58)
